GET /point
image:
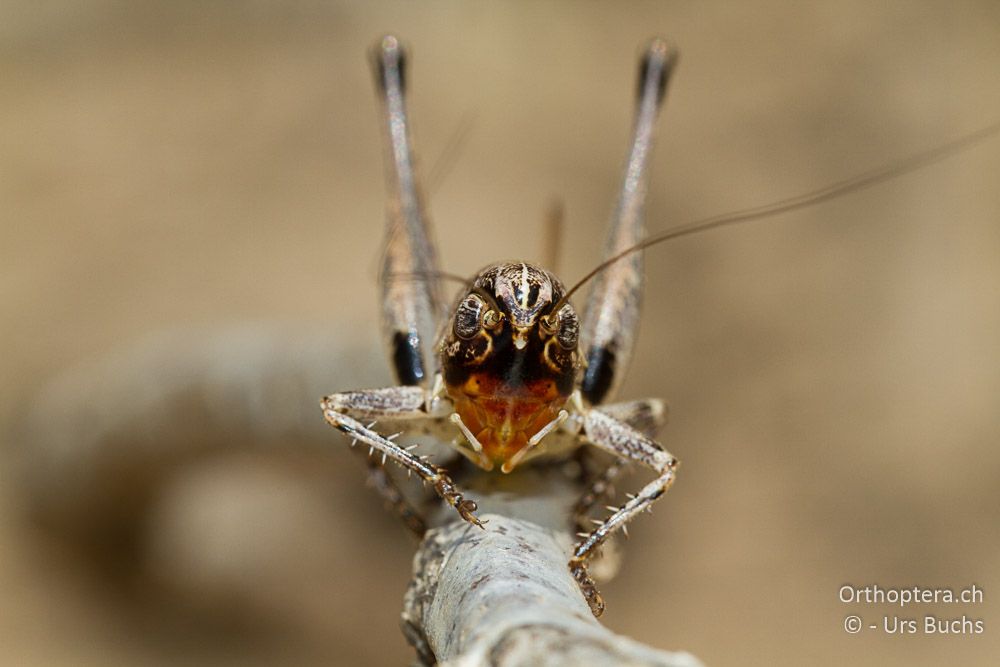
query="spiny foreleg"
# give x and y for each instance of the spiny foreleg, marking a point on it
(644, 415)
(399, 403)
(627, 443)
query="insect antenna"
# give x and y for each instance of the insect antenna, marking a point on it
(433, 275)
(854, 184)
(445, 161)
(555, 216)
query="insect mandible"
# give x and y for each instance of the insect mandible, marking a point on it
(512, 372)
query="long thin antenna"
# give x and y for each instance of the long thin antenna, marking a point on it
(763, 211)
(442, 166)
(552, 234)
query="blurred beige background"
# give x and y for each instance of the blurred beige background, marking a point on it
(833, 375)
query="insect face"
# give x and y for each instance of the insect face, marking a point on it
(509, 362)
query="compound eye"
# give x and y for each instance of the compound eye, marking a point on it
(468, 316)
(569, 328)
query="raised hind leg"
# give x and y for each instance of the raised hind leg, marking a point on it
(611, 317)
(411, 305)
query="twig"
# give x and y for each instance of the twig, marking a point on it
(504, 595)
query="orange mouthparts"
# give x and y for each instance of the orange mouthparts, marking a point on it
(503, 419)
